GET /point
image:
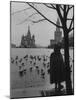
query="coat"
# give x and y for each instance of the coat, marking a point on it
(57, 68)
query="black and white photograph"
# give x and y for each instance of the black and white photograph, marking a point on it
(41, 49)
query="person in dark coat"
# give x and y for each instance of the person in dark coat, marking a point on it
(57, 68)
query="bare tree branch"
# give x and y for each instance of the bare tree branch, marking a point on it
(61, 7)
(68, 8)
(71, 29)
(44, 16)
(27, 18)
(71, 23)
(65, 15)
(53, 6)
(69, 18)
(49, 6)
(59, 13)
(20, 11)
(37, 21)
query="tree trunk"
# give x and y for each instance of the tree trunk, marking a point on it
(67, 64)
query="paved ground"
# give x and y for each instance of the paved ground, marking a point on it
(35, 92)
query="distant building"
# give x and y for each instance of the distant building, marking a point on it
(52, 42)
(28, 41)
(57, 35)
(13, 45)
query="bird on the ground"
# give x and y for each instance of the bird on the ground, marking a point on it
(20, 60)
(16, 58)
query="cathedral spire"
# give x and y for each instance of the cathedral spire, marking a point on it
(28, 33)
(28, 29)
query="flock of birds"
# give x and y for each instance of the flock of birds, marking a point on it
(32, 63)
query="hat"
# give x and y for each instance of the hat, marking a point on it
(57, 47)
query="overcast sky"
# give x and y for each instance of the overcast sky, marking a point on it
(43, 31)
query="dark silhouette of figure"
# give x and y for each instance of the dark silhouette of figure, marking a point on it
(57, 69)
